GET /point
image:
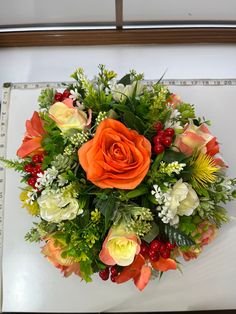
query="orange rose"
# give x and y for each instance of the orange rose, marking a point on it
(116, 157)
(53, 254)
(33, 137)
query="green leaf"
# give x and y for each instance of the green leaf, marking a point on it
(107, 208)
(157, 161)
(171, 156)
(151, 235)
(136, 192)
(133, 122)
(86, 270)
(125, 80)
(175, 236)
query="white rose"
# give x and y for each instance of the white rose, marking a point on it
(56, 207)
(183, 201)
(120, 91)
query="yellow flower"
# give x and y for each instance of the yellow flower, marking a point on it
(203, 170)
(95, 215)
(32, 207)
(68, 117)
(119, 247)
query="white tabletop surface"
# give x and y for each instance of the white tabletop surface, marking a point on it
(31, 284)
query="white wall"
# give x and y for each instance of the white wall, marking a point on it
(57, 63)
(54, 11)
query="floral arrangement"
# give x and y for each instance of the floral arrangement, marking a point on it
(124, 178)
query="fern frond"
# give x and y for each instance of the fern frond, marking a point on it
(13, 164)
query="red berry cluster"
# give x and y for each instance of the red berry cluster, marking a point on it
(163, 139)
(61, 96)
(105, 273)
(155, 249)
(33, 168)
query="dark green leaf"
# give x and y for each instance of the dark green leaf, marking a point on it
(125, 80)
(133, 122)
(107, 208)
(171, 156)
(175, 236)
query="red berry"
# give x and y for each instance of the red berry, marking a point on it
(170, 246)
(28, 168)
(38, 168)
(66, 93)
(58, 96)
(113, 278)
(31, 181)
(104, 274)
(156, 139)
(36, 158)
(158, 126)
(144, 249)
(165, 254)
(155, 258)
(167, 141)
(152, 253)
(162, 248)
(161, 133)
(41, 158)
(114, 271)
(169, 132)
(155, 245)
(158, 149)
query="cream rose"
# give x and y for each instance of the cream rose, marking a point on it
(120, 91)
(55, 207)
(67, 116)
(119, 247)
(182, 201)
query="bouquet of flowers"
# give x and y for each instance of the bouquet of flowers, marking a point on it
(124, 178)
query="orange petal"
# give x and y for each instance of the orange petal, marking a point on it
(143, 278)
(105, 256)
(164, 264)
(29, 146)
(37, 124)
(132, 270)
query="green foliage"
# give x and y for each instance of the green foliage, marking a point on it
(133, 122)
(46, 98)
(174, 235)
(188, 224)
(107, 205)
(186, 112)
(52, 141)
(41, 230)
(14, 164)
(134, 218)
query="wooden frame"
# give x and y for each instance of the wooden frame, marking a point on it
(117, 37)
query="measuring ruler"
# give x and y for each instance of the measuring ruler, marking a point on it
(59, 85)
(3, 138)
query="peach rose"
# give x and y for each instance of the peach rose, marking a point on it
(197, 139)
(116, 157)
(67, 116)
(33, 137)
(119, 247)
(53, 254)
(207, 232)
